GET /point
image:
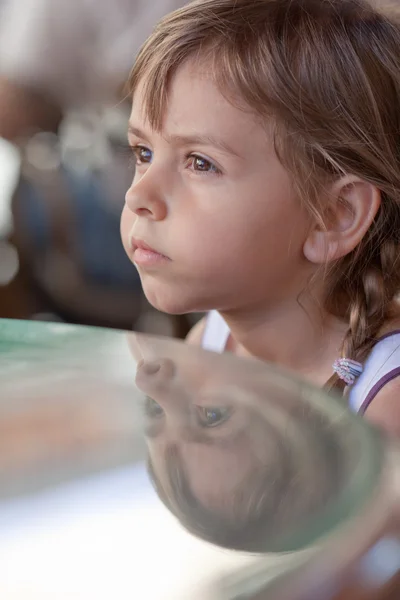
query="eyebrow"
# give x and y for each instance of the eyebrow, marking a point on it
(155, 429)
(187, 140)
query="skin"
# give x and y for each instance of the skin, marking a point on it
(184, 207)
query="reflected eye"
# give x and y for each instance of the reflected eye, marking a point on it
(142, 155)
(211, 416)
(152, 409)
(202, 165)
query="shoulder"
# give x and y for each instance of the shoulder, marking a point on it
(195, 335)
(384, 411)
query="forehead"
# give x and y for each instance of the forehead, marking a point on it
(196, 105)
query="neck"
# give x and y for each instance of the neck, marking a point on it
(301, 337)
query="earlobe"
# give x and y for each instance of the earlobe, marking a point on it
(354, 204)
(320, 247)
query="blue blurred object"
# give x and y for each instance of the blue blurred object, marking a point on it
(94, 236)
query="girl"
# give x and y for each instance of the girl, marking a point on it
(266, 137)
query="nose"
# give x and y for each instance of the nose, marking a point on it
(145, 199)
(158, 380)
(155, 375)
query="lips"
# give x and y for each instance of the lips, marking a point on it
(139, 244)
(145, 255)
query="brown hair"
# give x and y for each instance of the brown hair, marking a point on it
(328, 72)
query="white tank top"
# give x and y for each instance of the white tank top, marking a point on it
(381, 366)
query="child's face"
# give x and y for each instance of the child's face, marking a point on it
(210, 195)
(209, 412)
(234, 428)
(209, 423)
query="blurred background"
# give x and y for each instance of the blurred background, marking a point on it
(64, 172)
(65, 163)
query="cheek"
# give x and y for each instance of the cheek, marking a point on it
(127, 221)
(245, 240)
(253, 218)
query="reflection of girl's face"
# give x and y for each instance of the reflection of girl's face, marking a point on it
(242, 439)
(218, 440)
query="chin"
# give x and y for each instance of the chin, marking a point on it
(168, 304)
(171, 303)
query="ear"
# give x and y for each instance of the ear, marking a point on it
(352, 207)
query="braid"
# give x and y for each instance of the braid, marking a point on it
(370, 291)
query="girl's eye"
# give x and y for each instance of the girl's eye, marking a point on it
(152, 409)
(202, 165)
(142, 155)
(211, 417)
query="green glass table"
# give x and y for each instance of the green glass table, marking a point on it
(135, 466)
